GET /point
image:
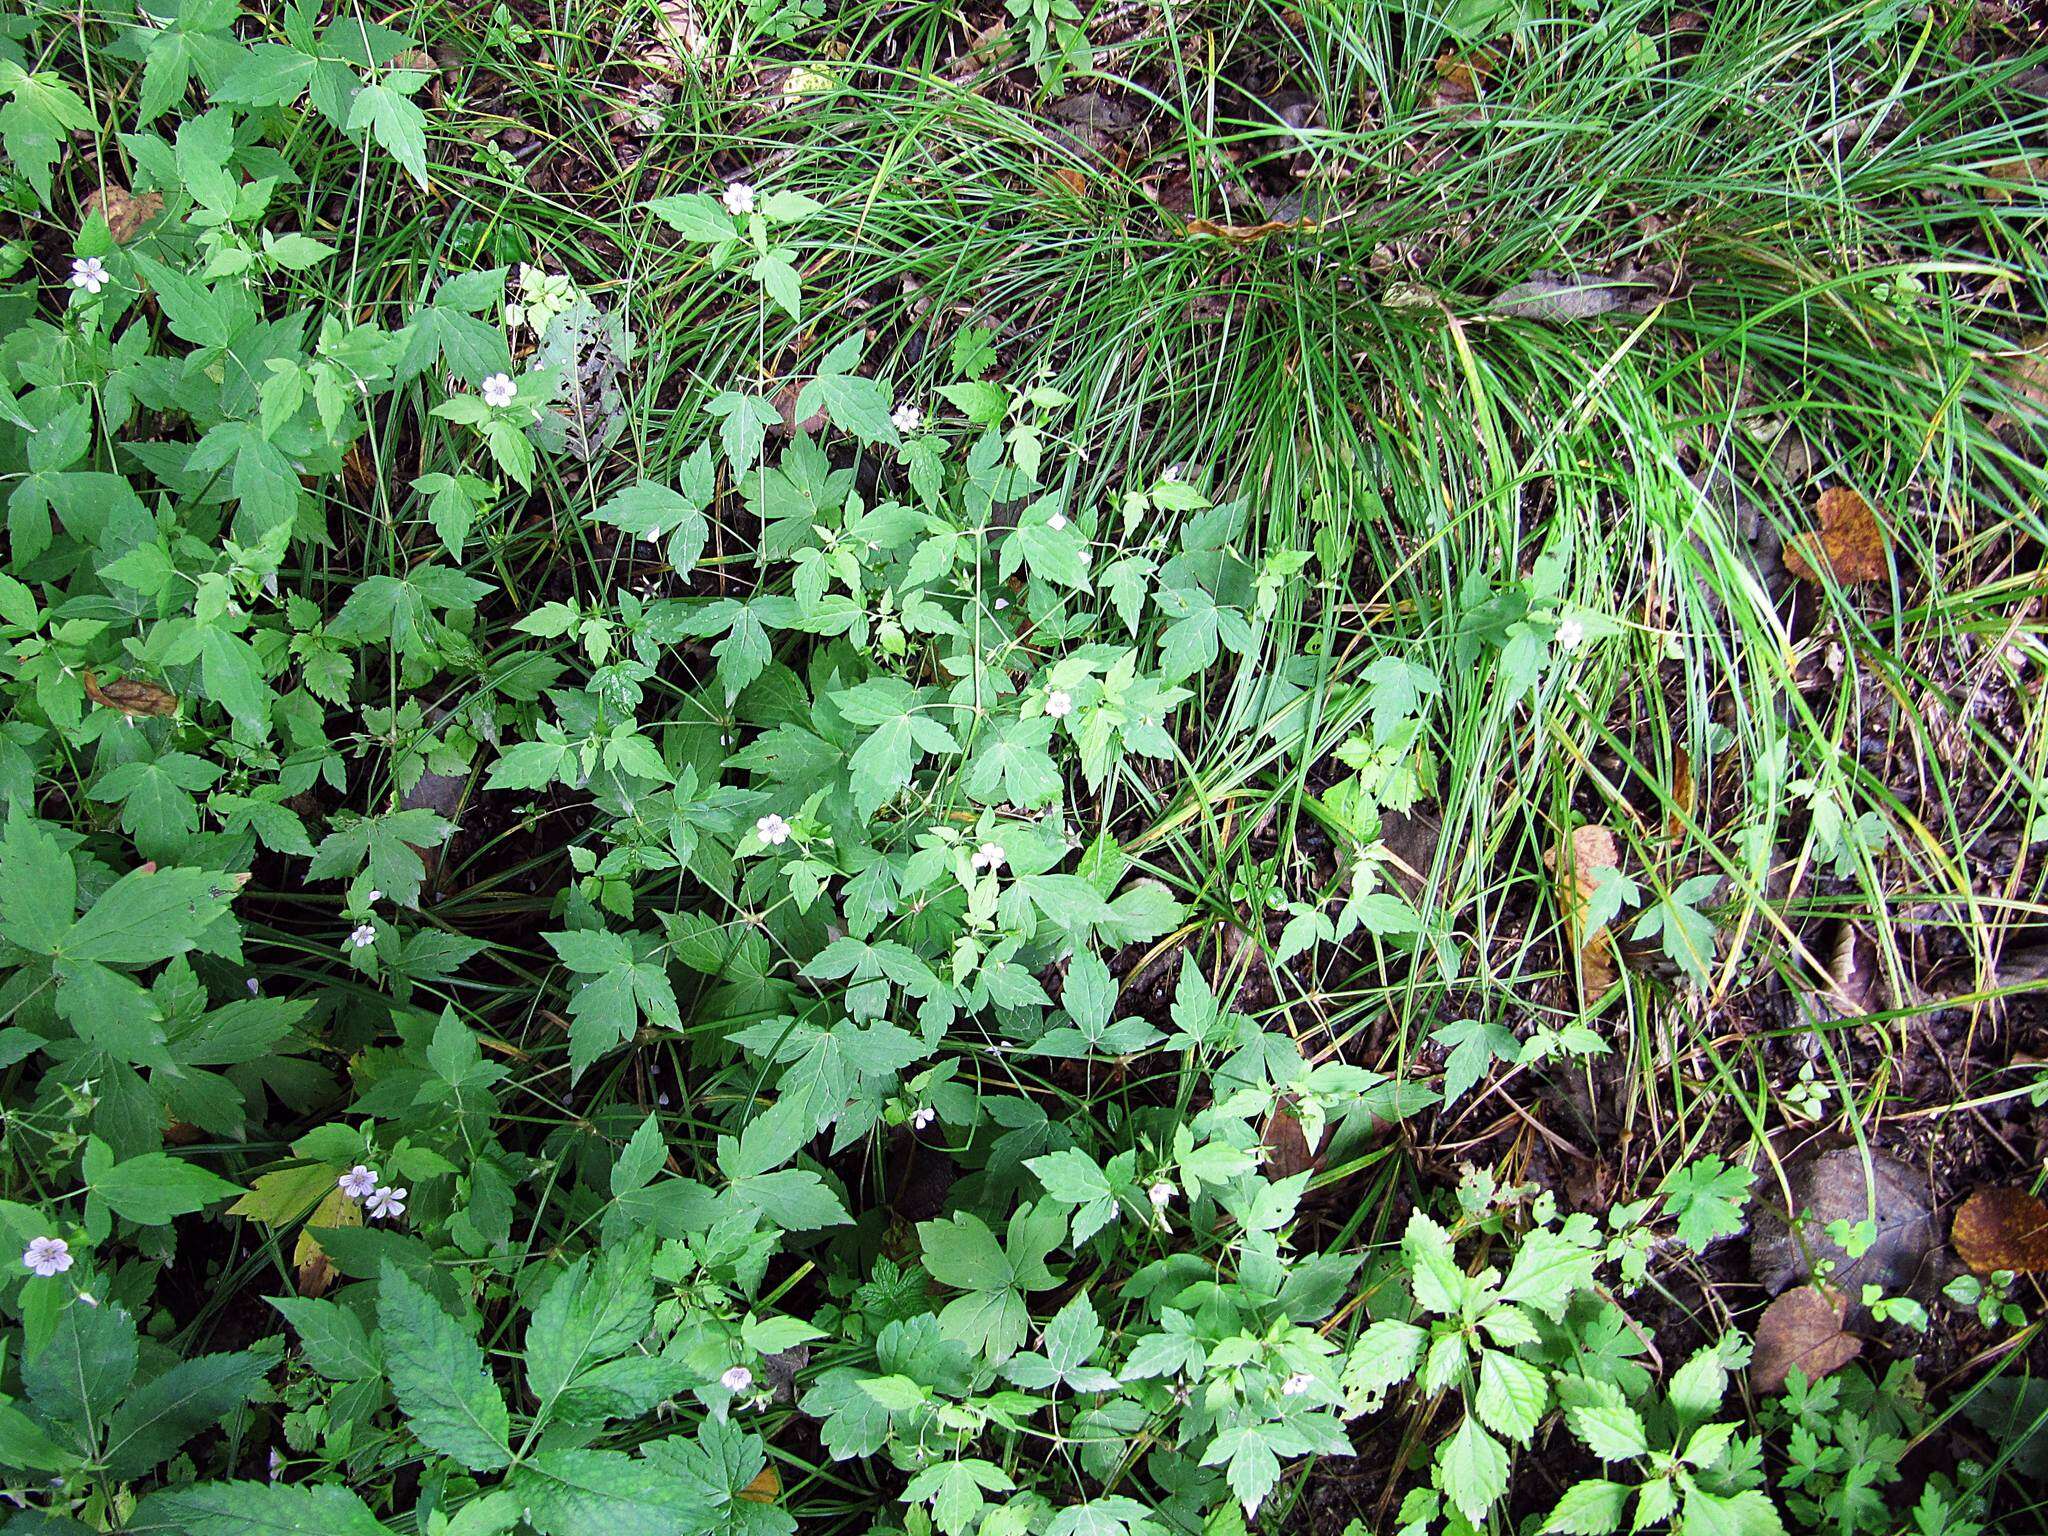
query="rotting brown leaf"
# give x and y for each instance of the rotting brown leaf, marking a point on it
(125, 212)
(1685, 795)
(131, 696)
(2002, 1229)
(1074, 181)
(1248, 234)
(1577, 869)
(1850, 544)
(1801, 1330)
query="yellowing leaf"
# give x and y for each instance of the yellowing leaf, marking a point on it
(286, 1194)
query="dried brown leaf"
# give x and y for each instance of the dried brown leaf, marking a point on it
(1850, 544)
(2002, 1229)
(1801, 1330)
(1577, 868)
(131, 696)
(1248, 234)
(1685, 795)
(125, 212)
(315, 1270)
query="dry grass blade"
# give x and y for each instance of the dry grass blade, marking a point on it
(1577, 868)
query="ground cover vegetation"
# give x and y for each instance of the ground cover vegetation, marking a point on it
(1069, 767)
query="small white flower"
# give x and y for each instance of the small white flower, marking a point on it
(363, 936)
(1001, 604)
(738, 198)
(373, 898)
(1161, 1195)
(358, 1182)
(906, 419)
(388, 1203)
(772, 830)
(1297, 1384)
(924, 1116)
(1057, 521)
(89, 273)
(499, 389)
(1571, 634)
(48, 1256)
(736, 1379)
(1059, 704)
(990, 856)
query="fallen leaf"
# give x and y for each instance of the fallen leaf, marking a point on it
(2002, 1229)
(1685, 795)
(1578, 876)
(125, 212)
(131, 696)
(1074, 181)
(1801, 1330)
(766, 1487)
(1850, 544)
(1247, 234)
(2027, 374)
(315, 1272)
(1843, 1183)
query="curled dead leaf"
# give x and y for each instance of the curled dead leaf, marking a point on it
(1685, 795)
(766, 1487)
(2002, 1229)
(1248, 234)
(1074, 181)
(124, 212)
(1577, 867)
(1801, 1330)
(1850, 545)
(131, 696)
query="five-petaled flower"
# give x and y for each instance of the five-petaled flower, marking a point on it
(1297, 1384)
(89, 273)
(738, 197)
(906, 419)
(736, 1379)
(499, 389)
(923, 1117)
(387, 1203)
(1059, 703)
(1571, 634)
(48, 1256)
(358, 1182)
(1161, 1195)
(990, 856)
(772, 830)
(363, 936)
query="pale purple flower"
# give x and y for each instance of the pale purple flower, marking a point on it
(1297, 1384)
(499, 389)
(358, 1182)
(924, 1116)
(990, 856)
(736, 1379)
(255, 987)
(1059, 704)
(1161, 1195)
(89, 273)
(772, 830)
(276, 1464)
(1001, 604)
(373, 898)
(387, 1203)
(362, 936)
(906, 419)
(738, 198)
(47, 1256)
